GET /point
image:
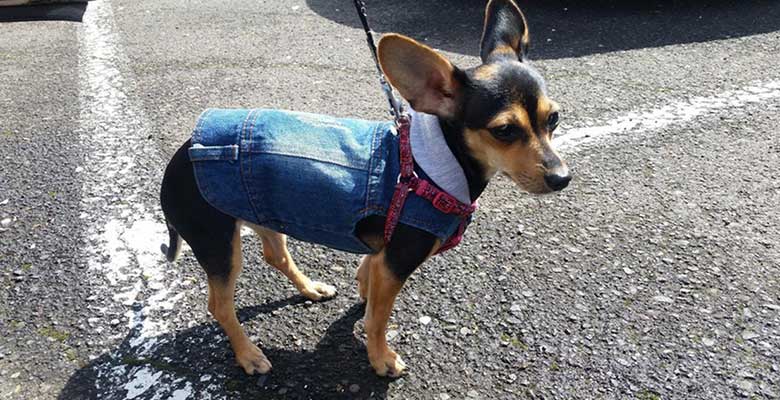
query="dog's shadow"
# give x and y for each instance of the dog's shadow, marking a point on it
(198, 361)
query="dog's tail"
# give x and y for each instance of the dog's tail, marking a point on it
(173, 248)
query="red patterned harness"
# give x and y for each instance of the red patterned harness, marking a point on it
(409, 182)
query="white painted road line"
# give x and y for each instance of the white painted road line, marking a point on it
(675, 113)
(125, 232)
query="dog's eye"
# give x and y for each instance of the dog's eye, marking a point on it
(552, 120)
(506, 132)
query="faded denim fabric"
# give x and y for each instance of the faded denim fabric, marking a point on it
(312, 177)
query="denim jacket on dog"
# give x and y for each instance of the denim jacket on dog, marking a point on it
(309, 176)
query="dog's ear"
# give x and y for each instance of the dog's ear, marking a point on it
(506, 32)
(427, 80)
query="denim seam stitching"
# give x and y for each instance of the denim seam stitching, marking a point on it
(371, 166)
(283, 221)
(248, 163)
(196, 134)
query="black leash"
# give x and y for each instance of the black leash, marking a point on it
(408, 181)
(396, 106)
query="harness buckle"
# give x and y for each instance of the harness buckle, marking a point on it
(444, 203)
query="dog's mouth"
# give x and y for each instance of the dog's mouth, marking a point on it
(529, 184)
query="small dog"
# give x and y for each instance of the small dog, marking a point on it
(328, 181)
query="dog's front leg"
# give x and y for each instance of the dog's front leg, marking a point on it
(385, 273)
(380, 277)
(383, 287)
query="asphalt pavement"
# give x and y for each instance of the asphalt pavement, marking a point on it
(655, 275)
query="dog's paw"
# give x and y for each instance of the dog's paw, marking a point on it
(388, 363)
(252, 360)
(319, 291)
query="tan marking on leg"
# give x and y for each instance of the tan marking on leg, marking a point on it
(382, 291)
(222, 307)
(275, 253)
(361, 276)
(212, 300)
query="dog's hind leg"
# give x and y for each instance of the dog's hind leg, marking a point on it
(223, 261)
(215, 241)
(275, 253)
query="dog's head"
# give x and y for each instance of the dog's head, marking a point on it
(500, 107)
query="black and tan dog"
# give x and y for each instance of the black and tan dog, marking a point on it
(495, 117)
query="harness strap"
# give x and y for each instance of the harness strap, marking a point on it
(408, 182)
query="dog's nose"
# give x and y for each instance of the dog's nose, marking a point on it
(557, 180)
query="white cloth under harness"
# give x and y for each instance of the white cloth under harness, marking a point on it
(432, 154)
